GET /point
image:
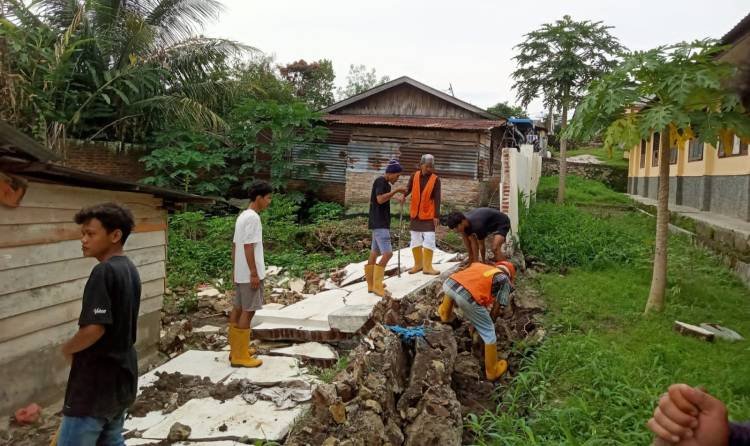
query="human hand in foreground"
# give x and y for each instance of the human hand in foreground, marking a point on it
(688, 416)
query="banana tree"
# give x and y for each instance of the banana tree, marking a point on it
(681, 91)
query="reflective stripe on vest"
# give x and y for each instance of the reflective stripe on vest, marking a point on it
(422, 206)
(477, 279)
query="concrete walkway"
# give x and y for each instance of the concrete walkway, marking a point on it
(341, 312)
(722, 221)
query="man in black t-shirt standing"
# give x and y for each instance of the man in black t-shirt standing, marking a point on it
(476, 226)
(104, 365)
(380, 224)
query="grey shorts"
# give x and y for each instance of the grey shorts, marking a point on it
(381, 241)
(247, 297)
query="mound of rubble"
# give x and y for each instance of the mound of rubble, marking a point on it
(415, 392)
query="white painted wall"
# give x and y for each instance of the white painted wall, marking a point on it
(525, 169)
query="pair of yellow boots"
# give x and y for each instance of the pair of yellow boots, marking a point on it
(423, 261)
(374, 274)
(240, 352)
(493, 368)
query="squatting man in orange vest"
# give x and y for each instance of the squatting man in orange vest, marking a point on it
(424, 188)
(475, 289)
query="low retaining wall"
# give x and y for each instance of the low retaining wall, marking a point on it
(614, 177)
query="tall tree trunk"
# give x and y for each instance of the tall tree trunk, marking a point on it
(550, 122)
(563, 160)
(659, 276)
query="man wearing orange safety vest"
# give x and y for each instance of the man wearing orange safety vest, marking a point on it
(424, 188)
(475, 289)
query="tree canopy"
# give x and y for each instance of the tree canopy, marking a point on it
(360, 79)
(506, 110)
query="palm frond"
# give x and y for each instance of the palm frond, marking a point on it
(184, 110)
(177, 20)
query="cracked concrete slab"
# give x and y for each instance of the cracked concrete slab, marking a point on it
(311, 319)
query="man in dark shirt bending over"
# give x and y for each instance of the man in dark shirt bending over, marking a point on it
(104, 374)
(475, 226)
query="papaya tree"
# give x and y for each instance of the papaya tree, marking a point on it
(556, 62)
(681, 91)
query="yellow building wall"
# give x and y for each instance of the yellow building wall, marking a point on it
(711, 164)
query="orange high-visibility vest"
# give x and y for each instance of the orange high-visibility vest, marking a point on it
(422, 207)
(477, 279)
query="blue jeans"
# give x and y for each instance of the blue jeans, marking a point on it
(91, 431)
(478, 315)
(381, 241)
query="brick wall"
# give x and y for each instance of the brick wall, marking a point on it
(105, 158)
(461, 193)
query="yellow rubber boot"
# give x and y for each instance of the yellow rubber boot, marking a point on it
(493, 368)
(231, 335)
(368, 277)
(378, 274)
(445, 310)
(417, 252)
(427, 263)
(240, 355)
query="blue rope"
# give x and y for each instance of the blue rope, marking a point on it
(407, 334)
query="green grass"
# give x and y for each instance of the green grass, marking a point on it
(601, 154)
(597, 376)
(580, 191)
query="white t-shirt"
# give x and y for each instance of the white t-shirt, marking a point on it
(248, 229)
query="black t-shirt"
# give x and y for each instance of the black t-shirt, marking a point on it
(485, 221)
(380, 214)
(104, 377)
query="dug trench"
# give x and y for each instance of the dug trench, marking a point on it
(416, 392)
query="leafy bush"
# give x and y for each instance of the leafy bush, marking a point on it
(188, 160)
(325, 211)
(566, 236)
(200, 249)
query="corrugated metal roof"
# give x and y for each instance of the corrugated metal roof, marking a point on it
(433, 123)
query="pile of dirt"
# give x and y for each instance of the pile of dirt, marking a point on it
(415, 393)
(172, 390)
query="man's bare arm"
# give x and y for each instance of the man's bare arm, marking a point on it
(250, 259)
(85, 337)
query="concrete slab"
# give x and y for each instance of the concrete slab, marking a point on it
(205, 416)
(207, 329)
(275, 369)
(307, 350)
(351, 318)
(144, 423)
(213, 365)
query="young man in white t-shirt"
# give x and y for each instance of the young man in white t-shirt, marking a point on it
(249, 272)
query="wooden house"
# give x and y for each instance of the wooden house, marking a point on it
(404, 119)
(43, 273)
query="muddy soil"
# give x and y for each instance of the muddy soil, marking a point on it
(414, 393)
(172, 390)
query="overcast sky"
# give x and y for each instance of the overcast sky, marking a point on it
(464, 43)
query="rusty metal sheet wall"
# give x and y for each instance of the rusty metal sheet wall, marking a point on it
(328, 165)
(450, 162)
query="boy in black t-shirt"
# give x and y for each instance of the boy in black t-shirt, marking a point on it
(380, 224)
(104, 373)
